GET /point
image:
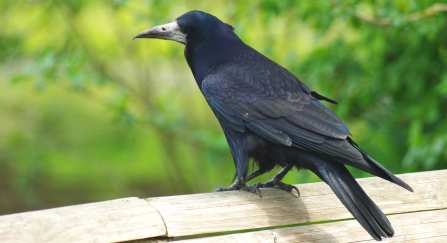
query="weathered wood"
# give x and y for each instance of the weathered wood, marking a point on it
(110, 221)
(429, 226)
(195, 216)
(231, 211)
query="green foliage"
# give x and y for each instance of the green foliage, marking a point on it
(88, 114)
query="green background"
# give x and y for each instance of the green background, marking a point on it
(87, 114)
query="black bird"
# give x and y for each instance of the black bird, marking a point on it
(270, 116)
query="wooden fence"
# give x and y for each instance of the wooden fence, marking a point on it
(316, 216)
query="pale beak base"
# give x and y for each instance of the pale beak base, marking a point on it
(170, 31)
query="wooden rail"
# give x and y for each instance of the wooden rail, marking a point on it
(316, 216)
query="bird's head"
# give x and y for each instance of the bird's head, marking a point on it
(191, 26)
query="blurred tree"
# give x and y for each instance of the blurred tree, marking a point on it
(392, 73)
(90, 115)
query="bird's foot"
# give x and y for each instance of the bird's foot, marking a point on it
(252, 189)
(240, 186)
(275, 183)
(230, 188)
(233, 187)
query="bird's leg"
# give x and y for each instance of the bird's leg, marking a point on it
(238, 142)
(276, 181)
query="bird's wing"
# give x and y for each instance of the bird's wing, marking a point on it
(246, 99)
(279, 108)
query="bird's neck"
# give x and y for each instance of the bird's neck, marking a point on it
(207, 53)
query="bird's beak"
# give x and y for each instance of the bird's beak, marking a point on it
(169, 31)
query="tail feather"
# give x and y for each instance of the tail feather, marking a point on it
(386, 174)
(377, 169)
(354, 198)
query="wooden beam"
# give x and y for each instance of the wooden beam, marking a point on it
(232, 211)
(110, 221)
(195, 216)
(429, 226)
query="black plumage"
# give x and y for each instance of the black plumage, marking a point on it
(270, 116)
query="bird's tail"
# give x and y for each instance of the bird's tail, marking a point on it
(354, 198)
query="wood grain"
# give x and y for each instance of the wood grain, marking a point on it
(110, 221)
(418, 216)
(231, 211)
(429, 226)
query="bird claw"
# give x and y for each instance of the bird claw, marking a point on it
(278, 184)
(233, 187)
(230, 188)
(236, 186)
(252, 189)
